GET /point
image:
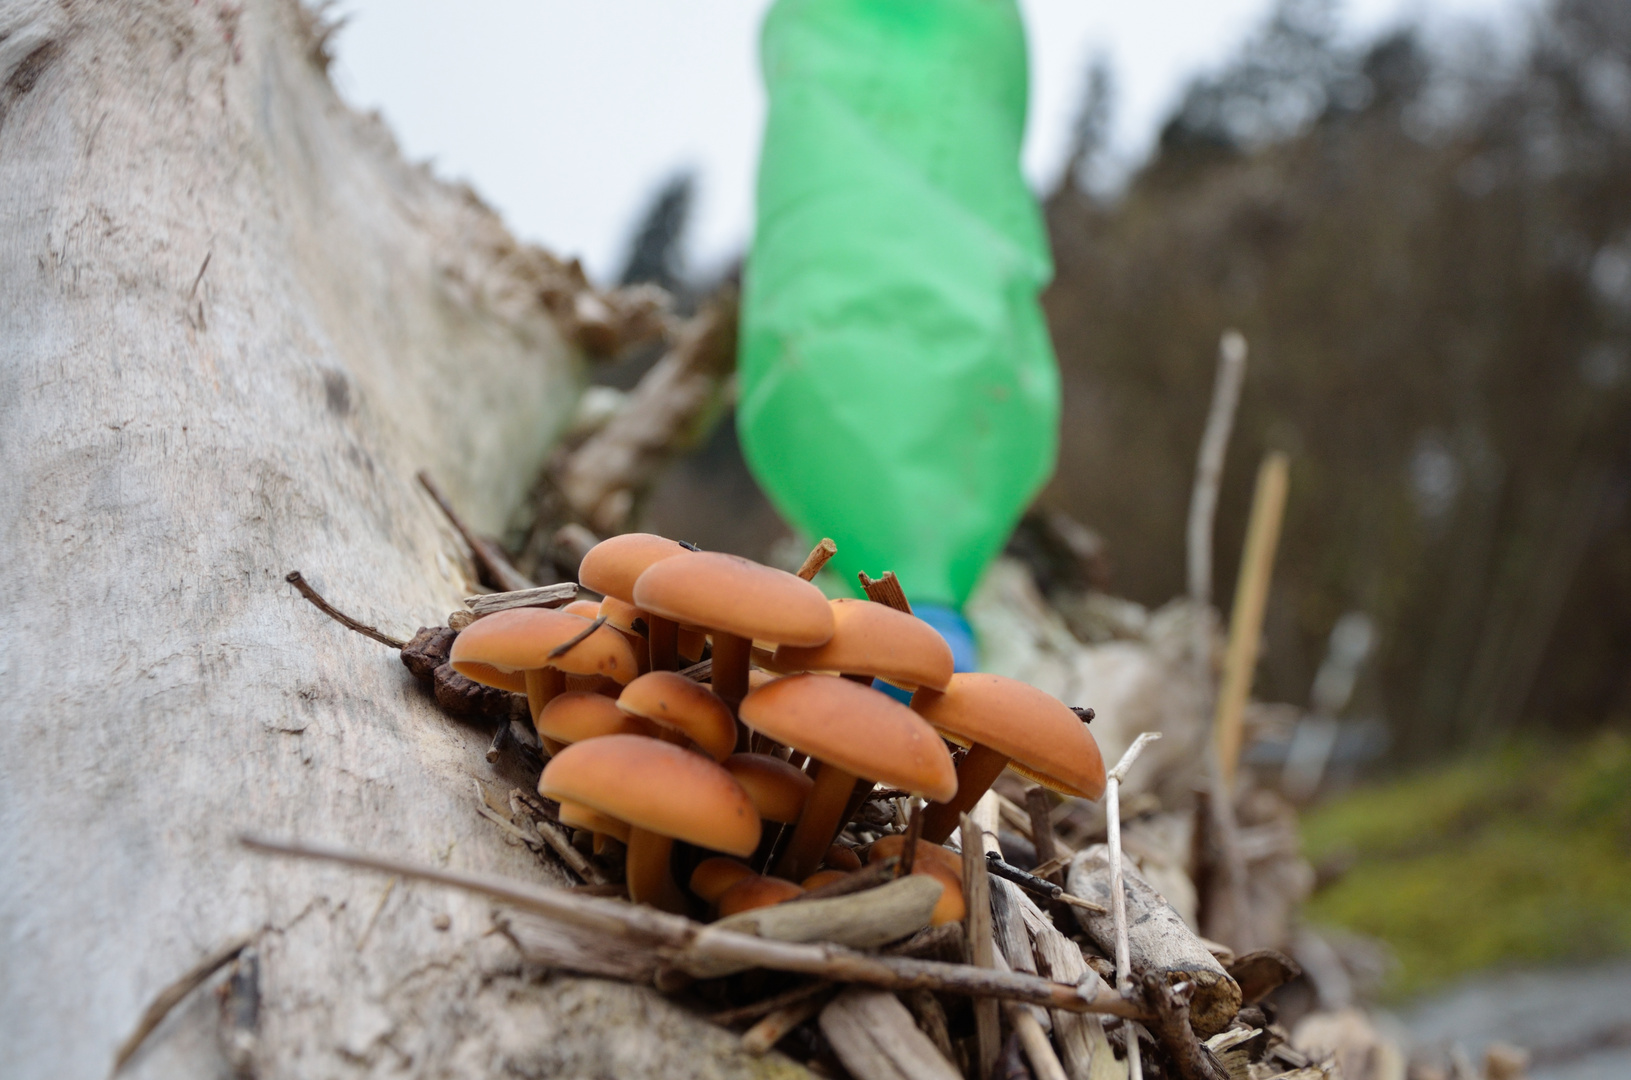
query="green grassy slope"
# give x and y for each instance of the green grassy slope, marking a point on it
(1518, 857)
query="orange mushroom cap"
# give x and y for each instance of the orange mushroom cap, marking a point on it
(755, 892)
(855, 728)
(521, 639)
(1042, 738)
(888, 846)
(736, 596)
(715, 874)
(658, 787)
(842, 857)
(672, 700)
(580, 816)
(580, 714)
(583, 609)
(620, 613)
(777, 789)
(951, 907)
(875, 639)
(612, 566)
(823, 877)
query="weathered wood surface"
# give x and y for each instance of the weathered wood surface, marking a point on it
(233, 325)
(1158, 939)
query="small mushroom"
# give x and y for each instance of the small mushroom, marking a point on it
(583, 609)
(755, 892)
(1007, 723)
(737, 601)
(580, 816)
(631, 622)
(778, 790)
(682, 711)
(518, 645)
(715, 874)
(843, 858)
(853, 731)
(665, 794)
(578, 714)
(875, 640)
(824, 877)
(611, 568)
(931, 860)
(887, 847)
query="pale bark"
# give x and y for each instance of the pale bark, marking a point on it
(233, 324)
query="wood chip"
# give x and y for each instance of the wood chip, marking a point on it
(547, 596)
(874, 1036)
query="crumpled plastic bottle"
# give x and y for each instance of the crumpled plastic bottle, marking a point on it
(898, 390)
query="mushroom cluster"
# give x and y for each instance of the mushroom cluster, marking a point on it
(728, 706)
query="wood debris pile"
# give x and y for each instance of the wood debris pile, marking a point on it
(992, 955)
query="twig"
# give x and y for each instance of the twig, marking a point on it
(977, 901)
(1203, 497)
(679, 941)
(1046, 870)
(570, 855)
(294, 578)
(501, 740)
(542, 830)
(1172, 1029)
(549, 596)
(914, 833)
(701, 671)
(492, 565)
(819, 556)
(756, 1009)
(172, 995)
(1031, 883)
(759, 1038)
(1118, 887)
(1246, 621)
(577, 639)
(885, 590)
(1044, 1062)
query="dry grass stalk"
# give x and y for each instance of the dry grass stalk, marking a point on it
(1118, 888)
(1246, 621)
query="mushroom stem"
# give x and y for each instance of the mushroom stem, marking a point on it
(650, 881)
(542, 685)
(730, 675)
(818, 824)
(978, 771)
(664, 636)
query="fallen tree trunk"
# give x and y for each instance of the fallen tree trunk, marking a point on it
(233, 325)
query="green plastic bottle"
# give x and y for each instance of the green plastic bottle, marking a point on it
(898, 388)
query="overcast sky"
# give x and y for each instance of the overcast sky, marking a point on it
(566, 114)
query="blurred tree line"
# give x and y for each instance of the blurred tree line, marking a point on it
(1429, 250)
